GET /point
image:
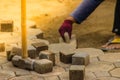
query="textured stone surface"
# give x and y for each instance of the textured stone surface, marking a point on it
(47, 55)
(55, 72)
(35, 33)
(64, 76)
(102, 74)
(15, 61)
(110, 57)
(19, 72)
(72, 41)
(3, 60)
(117, 64)
(115, 72)
(6, 25)
(91, 51)
(52, 78)
(32, 52)
(27, 77)
(100, 66)
(23, 63)
(5, 75)
(66, 56)
(43, 66)
(89, 75)
(2, 46)
(80, 59)
(40, 47)
(56, 48)
(77, 72)
(106, 78)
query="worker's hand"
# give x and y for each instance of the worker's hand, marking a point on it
(66, 27)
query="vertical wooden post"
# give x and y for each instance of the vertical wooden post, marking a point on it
(23, 29)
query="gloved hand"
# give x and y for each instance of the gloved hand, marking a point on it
(66, 27)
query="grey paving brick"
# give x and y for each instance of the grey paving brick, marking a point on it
(47, 55)
(43, 66)
(77, 72)
(80, 59)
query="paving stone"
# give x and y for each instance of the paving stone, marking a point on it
(15, 61)
(40, 47)
(67, 39)
(77, 72)
(36, 33)
(117, 64)
(55, 72)
(102, 74)
(47, 55)
(64, 76)
(66, 56)
(3, 60)
(32, 52)
(6, 25)
(89, 75)
(31, 24)
(100, 66)
(56, 48)
(3, 54)
(27, 77)
(115, 72)
(2, 46)
(91, 51)
(80, 59)
(38, 41)
(43, 66)
(11, 73)
(5, 75)
(106, 78)
(23, 63)
(72, 41)
(18, 51)
(51, 78)
(110, 57)
(19, 72)
(93, 59)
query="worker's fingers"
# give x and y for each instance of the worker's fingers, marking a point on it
(62, 31)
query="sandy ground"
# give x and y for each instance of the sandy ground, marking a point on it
(49, 15)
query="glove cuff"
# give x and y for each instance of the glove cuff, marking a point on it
(68, 21)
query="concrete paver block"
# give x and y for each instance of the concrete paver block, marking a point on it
(80, 59)
(18, 51)
(110, 57)
(43, 66)
(35, 32)
(93, 52)
(40, 47)
(2, 46)
(15, 60)
(6, 26)
(32, 52)
(23, 63)
(72, 41)
(115, 72)
(77, 72)
(66, 56)
(47, 55)
(31, 24)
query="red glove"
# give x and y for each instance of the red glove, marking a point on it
(66, 27)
